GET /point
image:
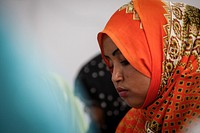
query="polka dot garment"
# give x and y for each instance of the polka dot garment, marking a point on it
(94, 87)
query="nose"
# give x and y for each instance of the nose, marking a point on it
(117, 75)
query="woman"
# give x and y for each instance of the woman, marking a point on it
(153, 51)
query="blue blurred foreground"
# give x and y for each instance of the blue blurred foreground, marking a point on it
(32, 100)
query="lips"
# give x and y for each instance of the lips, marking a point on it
(122, 92)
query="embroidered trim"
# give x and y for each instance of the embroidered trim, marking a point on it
(130, 9)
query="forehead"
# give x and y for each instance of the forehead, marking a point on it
(108, 45)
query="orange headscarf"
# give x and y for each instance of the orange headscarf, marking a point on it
(162, 41)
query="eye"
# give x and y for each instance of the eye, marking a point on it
(124, 62)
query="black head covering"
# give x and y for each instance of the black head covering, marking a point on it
(94, 87)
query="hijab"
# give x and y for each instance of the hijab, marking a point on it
(169, 54)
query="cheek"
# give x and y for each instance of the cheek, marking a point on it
(136, 79)
(130, 73)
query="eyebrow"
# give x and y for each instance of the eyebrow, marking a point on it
(115, 51)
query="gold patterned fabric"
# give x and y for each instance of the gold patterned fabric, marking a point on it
(177, 108)
(172, 32)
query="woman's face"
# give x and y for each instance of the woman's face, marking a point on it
(131, 85)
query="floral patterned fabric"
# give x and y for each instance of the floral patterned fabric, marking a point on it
(171, 59)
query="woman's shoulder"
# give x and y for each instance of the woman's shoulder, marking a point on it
(133, 121)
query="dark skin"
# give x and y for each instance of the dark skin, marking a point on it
(97, 115)
(131, 85)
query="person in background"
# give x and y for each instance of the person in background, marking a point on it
(152, 49)
(94, 88)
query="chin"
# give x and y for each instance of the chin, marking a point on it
(134, 105)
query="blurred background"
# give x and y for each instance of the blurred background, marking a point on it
(58, 36)
(64, 31)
